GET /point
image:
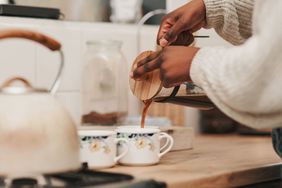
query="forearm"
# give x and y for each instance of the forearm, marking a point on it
(243, 86)
(232, 19)
(245, 81)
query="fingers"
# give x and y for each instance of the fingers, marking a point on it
(172, 25)
(166, 27)
(172, 34)
(185, 18)
(146, 68)
(148, 58)
(163, 42)
(166, 24)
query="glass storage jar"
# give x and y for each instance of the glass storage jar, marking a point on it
(126, 11)
(104, 83)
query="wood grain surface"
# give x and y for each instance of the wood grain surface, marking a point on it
(149, 85)
(215, 162)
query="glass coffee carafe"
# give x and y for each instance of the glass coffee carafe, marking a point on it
(104, 83)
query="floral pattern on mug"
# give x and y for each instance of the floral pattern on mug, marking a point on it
(107, 149)
(141, 141)
(95, 143)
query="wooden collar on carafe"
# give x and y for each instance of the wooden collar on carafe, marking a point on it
(149, 85)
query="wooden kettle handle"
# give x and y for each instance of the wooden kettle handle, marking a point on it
(49, 42)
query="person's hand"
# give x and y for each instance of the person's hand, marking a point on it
(173, 61)
(177, 26)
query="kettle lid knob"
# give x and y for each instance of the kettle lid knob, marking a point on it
(8, 88)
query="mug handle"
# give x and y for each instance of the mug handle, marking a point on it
(169, 143)
(117, 158)
(165, 145)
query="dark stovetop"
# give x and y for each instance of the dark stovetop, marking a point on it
(82, 178)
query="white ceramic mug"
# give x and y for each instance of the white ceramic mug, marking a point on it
(99, 148)
(143, 145)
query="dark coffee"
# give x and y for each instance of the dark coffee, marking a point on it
(147, 104)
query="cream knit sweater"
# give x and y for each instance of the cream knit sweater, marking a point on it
(244, 81)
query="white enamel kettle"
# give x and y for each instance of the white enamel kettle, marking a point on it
(37, 135)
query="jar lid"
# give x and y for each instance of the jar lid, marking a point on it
(149, 85)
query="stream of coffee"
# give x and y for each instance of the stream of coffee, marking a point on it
(147, 103)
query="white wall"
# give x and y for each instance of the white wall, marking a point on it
(173, 4)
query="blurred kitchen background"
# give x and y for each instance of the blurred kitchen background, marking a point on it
(100, 39)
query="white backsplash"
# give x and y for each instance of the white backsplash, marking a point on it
(39, 65)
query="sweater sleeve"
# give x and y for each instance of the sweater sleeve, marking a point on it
(231, 19)
(245, 81)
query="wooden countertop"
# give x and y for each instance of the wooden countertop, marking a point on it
(215, 161)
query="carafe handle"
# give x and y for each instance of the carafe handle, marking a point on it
(46, 41)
